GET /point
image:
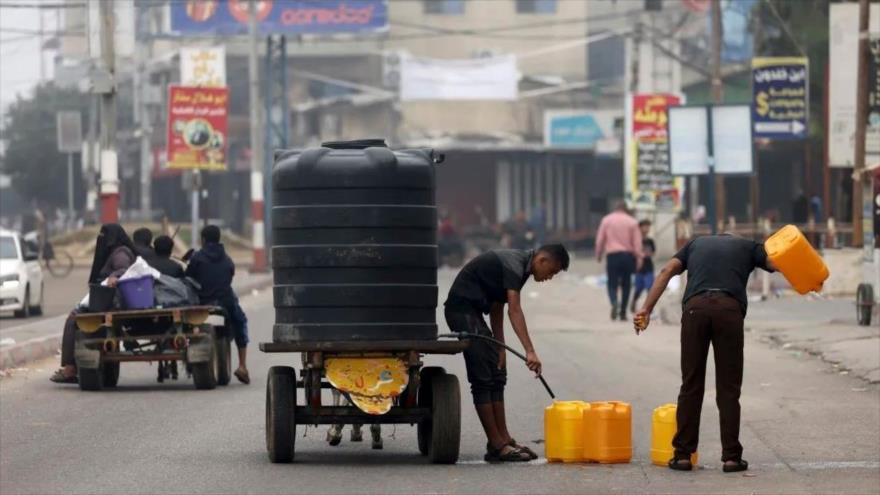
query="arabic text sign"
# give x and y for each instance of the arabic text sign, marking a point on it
(197, 128)
(780, 94)
(574, 129)
(649, 115)
(279, 16)
(203, 67)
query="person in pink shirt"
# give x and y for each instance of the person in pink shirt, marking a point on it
(620, 241)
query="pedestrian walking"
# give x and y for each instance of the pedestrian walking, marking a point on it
(645, 276)
(714, 306)
(620, 241)
(484, 286)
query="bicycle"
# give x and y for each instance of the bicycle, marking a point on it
(58, 263)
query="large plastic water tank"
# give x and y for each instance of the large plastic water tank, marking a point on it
(354, 232)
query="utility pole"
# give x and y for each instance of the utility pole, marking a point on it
(142, 55)
(258, 234)
(109, 171)
(859, 179)
(717, 98)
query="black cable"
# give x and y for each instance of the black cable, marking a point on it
(465, 335)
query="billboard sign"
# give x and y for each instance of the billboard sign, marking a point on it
(69, 125)
(587, 130)
(203, 67)
(649, 180)
(200, 17)
(731, 139)
(780, 97)
(197, 128)
(649, 115)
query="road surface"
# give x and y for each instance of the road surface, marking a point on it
(806, 428)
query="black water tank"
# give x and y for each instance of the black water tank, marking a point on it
(354, 230)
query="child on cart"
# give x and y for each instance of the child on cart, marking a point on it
(213, 269)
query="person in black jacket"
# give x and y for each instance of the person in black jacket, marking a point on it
(142, 239)
(213, 269)
(163, 245)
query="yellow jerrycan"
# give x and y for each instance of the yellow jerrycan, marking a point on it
(608, 432)
(564, 431)
(663, 428)
(795, 258)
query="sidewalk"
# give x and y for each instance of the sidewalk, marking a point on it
(39, 340)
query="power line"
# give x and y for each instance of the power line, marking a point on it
(41, 6)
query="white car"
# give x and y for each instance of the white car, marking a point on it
(21, 277)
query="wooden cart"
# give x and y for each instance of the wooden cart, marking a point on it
(164, 335)
(431, 400)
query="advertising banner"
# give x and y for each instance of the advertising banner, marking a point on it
(780, 97)
(492, 78)
(597, 130)
(649, 180)
(197, 128)
(199, 17)
(203, 67)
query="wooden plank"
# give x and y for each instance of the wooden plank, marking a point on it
(305, 415)
(424, 346)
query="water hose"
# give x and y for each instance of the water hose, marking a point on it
(465, 335)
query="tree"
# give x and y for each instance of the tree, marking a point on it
(31, 157)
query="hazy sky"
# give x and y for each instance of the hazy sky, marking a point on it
(20, 52)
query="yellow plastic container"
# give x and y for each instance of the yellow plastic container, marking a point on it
(793, 255)
(564, 431)
(663, 428)
(608, 432)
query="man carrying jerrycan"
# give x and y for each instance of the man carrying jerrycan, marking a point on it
(714, 307)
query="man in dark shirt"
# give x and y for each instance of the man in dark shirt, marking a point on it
(484, 286)
(715, 303)
(213, 269)
(163, 245)
(142, 239)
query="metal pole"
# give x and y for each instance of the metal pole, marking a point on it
(256, 122)
(141, 81)
(195, 241)
(859, 177)
(109, 171)
(70, 191)
(713, 211)
(716, 181)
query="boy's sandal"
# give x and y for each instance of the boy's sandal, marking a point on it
(60, 377)
(740, 465)
(523, 448)
(512, 455)
(680, 464)
(243, 376)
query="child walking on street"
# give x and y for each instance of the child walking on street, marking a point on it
(645, 276)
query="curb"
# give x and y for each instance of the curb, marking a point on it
(18, 355)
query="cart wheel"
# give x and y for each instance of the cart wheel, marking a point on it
(204, 374)
(280, 410)
(91, 379)
(445, 419)
(864, 304)
(111, 374)
(223, 363)
(423, 428)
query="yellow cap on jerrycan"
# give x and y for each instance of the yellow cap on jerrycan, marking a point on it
(608, 432)
(564, 431)
(663, 428)
(792, 254)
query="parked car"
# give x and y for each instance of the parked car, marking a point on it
(21, 277)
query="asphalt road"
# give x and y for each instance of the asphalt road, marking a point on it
(60, 295)
(806, 428)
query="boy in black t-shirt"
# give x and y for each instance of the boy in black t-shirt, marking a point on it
(484, 286)
(645, 276)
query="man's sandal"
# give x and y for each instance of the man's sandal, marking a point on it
(523, 448)
(739, 465)
(512, 455)
(680, 464)
(60, 377)
(243, 376)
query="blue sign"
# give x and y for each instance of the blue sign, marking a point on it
(780, 97)
(573, 131)
(228, 17)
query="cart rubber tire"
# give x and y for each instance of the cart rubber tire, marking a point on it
(223, 361)
(204, 374)
(111, 374)
(445, 420)
(864, 304)
(423, 428)
(91, 379)
(280, 410)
